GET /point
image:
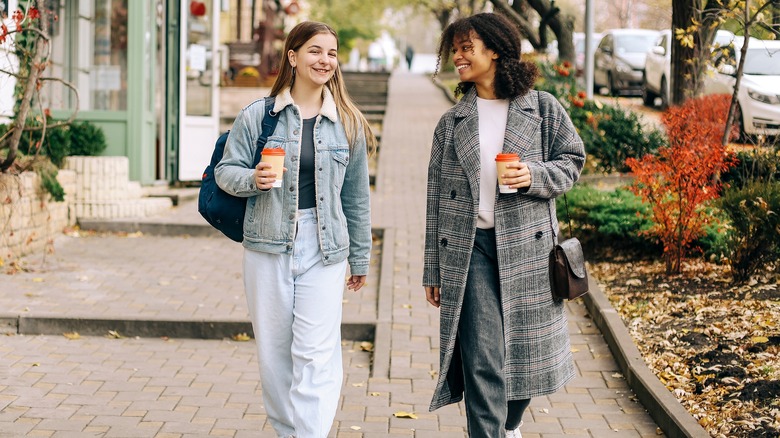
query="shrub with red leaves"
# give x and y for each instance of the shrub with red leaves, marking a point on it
(682, 177)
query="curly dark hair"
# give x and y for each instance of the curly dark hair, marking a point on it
(514, 77)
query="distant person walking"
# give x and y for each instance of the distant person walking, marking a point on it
(504, 339)
(300, 237)
(409, 56)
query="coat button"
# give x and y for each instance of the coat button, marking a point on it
(444, 242)
(320, 169)
(322, 198)
(539, 235)
(453, 194)
(295, 132)
(292, 188)
(292, 217)
(323, 227)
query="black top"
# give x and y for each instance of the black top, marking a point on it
(307, 189)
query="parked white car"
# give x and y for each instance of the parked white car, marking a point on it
(656, 80)
(620, 60)
(758, 110)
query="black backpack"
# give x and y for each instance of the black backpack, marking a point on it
(224, 211)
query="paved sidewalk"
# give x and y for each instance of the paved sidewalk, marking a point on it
(175, 387)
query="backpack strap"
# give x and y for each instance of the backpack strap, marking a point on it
(270, 118)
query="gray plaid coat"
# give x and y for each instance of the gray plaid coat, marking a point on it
(536, 339)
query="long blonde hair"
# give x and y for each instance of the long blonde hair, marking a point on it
(351, 117)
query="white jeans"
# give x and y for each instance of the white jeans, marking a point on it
(295, 306)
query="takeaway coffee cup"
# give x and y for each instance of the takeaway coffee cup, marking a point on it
(501, 161)
(275, 156)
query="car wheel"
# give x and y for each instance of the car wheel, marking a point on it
(613, 91)
(648, 97)
(664, 94)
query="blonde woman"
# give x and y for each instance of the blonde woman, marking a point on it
(299, 238)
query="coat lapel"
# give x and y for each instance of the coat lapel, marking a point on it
(522, 125)
(466, 139)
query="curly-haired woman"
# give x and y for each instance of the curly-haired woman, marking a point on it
(504, 339)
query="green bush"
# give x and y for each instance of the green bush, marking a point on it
(55, 145)
(86, 139)
(606, 219)
(610, 133)
(753, 236)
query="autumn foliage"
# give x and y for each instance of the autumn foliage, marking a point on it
(678, 180)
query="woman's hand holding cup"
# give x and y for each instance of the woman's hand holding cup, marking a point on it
(265, 177)
(517, 175)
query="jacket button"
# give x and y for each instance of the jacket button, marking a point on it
(320, 169)
(326, 257)
(539, 235)
(323, 227)
(322, 198)
(292, 216)
(295, 132)
(444, 242)
(453, 194)
(292, 188)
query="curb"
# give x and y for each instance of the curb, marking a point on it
(666, 410)
(150, 328)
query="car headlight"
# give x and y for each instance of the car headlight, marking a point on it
(761, 97)
(622, 67)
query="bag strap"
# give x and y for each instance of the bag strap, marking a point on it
(270, 118)
(544, 143)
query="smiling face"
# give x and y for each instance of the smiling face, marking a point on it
(315, 62)
(474, 62)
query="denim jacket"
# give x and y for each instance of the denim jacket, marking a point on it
(341, 182)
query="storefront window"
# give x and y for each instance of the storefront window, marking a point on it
(108, 75)
(200, 58)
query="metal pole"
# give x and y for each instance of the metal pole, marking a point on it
(589, 48)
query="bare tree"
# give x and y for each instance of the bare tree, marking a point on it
(549, 16)
(35, 20)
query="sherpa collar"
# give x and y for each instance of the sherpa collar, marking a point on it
(328, 109)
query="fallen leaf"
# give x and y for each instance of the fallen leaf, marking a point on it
(404, 414)
(359, 384)
(367, 346)
(374, 394)
(407, 306)
(241, 337)
(36, 364)
(72, 335)
(37, 280)
(113, 334)
(759, 339)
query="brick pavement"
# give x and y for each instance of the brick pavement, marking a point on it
(96, 386)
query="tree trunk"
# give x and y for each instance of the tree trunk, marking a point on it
(562, 26)
(30, 86)
(683, 14)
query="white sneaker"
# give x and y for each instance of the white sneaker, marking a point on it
(514, 433)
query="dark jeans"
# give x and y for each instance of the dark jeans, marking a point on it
(481, 339)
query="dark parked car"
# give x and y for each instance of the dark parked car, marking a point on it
(620, 60)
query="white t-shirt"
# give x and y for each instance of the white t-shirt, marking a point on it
(492, 126)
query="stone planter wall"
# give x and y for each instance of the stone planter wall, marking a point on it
(30, 219)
